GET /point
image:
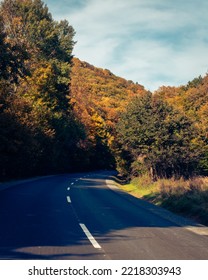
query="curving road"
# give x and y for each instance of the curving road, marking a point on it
(84, 216)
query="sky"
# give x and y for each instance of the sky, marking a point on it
(152, 42)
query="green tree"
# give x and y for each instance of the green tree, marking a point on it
(192, 101)
(42, 133)
(12, 59)
(158, 138)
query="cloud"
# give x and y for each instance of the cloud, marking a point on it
(152, 42)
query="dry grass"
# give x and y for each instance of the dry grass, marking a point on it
(186, 197)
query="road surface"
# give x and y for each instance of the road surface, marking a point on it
(84, 216)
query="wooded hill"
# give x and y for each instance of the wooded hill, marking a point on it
(97, 98)
(59, 114)
(165, 133)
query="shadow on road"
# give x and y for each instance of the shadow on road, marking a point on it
(37, 222)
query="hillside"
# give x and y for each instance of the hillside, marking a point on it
(191, 99)
(100, 91)
(97, 98)
(60, 114)
(172, 139)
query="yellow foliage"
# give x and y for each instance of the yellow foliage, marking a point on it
(42, 75)
(97, 97)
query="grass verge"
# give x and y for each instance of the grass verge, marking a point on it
(185, 197)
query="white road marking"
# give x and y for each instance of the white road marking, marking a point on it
(68, 199)
(90, 237)
(72, 183)
(68, 189)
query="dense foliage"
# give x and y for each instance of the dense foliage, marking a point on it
(159, 139)
(59, 114)
(97, 98)
(38, 132)
(192, 101)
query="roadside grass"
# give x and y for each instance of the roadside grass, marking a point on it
(186, 197)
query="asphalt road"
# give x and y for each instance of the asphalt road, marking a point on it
(83, 216)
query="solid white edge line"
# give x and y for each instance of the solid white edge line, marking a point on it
(68, 199)
(89, 236)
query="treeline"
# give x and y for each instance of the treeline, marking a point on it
(97, 99)
(165, 134)
(38, 131)
(59, 114)
(56, 113)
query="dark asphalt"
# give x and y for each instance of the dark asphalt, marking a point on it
(40, 219)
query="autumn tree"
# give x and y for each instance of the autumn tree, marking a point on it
(192, 101)
(35, 62)
(97, 97)
(12, 132)
(158, 138)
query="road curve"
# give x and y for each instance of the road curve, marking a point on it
(84, 216)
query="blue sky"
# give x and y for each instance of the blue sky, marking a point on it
(152, 42)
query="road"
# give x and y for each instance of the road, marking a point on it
(80, 216)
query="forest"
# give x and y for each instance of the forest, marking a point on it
(59, 114)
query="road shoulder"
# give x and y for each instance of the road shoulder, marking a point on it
(163, 213)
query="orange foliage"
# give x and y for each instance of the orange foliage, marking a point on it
(98, 96)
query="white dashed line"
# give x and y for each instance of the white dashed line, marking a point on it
(90, 237)
(72, 183)
(68, 199)
(68, 189)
